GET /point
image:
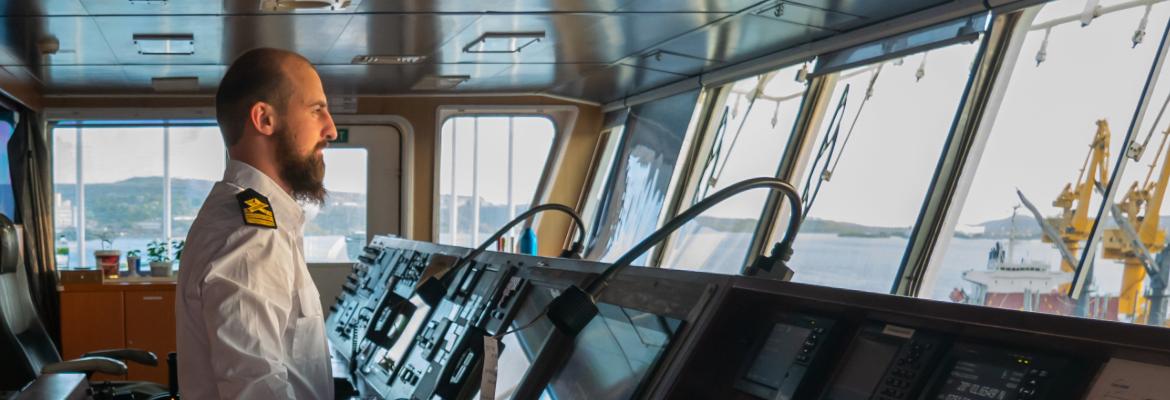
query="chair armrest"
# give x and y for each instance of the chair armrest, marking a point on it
(136, 355)
(87, 365)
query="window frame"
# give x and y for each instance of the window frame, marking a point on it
(563, 119)
(164, 124)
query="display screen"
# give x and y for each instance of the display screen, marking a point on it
(982, 380)
(863, 369)
(613, 354)
(406, 325)
(777, 354)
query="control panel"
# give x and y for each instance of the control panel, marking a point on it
(887, 362)
(784, 355)
(678, 334)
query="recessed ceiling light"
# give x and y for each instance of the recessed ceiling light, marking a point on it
(503, 42)
(175, 84)
(165, 44)
(385, 59)
(440, 82)
(293, 5)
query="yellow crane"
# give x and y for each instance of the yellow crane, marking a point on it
(1074, 221)
(1138, 236)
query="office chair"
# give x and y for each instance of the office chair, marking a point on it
(27, 349)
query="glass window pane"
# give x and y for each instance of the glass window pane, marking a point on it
(336, 231)
(446, 188)
(198, 159)
(856, 231)
(750, 139)
(601, 174)
(65, 201)
(489, 170)
(645, 165)
(123, 179)
(1060, 121)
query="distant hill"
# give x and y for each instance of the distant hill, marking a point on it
(134, 207)
(1027, 228)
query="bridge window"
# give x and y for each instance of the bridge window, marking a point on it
(336, 231)
(869, 168)
(490, 169)
(120, 186)
(751, 125)
(638, 188)
(1056, 138)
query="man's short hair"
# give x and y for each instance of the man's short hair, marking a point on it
(257, 75)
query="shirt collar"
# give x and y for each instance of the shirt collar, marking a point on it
(246, 176)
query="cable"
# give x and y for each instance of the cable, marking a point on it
(432, 289)
(573, 252)
(783, 249)
(826, 151)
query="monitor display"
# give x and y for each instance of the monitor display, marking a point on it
(405, 323)
(982, 380)
(777, 355)
(863, 368)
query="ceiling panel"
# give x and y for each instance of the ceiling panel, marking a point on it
(615, 82)
(873, 10)
(208, 75)
(87, 79)
(41, 7)
(395, 34)
(809, 16)
(619, 35)
(490, 5)
(310, 35)
(575, 38)
(667, 61)
(389, 79)
(79, 39)
(253, 7)
(123, 7)
(743, 38)
(208, 32)
(531, 77)
(689, 5)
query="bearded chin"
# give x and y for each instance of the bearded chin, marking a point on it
(304, 174)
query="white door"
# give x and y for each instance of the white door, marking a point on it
(363, 177)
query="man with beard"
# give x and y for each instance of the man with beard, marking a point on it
(249, 318)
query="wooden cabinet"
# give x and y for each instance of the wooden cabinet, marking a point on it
(118, 315)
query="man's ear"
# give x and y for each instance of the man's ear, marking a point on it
(262, 116)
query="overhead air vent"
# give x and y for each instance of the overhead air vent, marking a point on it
(294, 5)
(503, 42)
(175, 84)
(165, 44)
(440, 82)
(388, 60)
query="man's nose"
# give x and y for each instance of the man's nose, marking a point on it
(330, 128)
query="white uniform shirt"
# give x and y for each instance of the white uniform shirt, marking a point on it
(249, 317)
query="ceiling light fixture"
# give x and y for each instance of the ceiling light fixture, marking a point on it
(503, 42)
(175, 84)
(293, 5)
(440, 82)
(165, 44)
(388, 59)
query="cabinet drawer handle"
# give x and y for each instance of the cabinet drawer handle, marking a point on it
(152, 297)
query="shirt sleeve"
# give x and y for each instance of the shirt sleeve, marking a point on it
(247, 299)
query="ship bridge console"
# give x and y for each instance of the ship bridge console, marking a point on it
(677, 334)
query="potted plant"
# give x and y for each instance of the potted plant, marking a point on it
(132, 262)
(160, 261)
(178, 248)
(107, 258)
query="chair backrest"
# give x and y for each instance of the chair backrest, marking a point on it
(25, 345)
